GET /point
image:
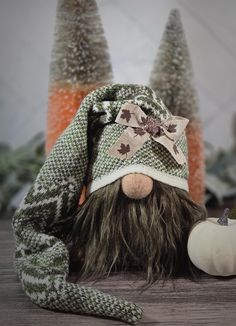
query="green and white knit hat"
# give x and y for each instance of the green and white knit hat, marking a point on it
(119, 129)
(117, 124)
(85, 147)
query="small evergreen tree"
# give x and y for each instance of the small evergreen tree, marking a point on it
(172, 74)
(80, 52)
(80, 62)
(172, 78)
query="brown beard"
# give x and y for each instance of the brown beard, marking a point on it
(112, 232)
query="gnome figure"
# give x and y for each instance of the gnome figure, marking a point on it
(136, 185)
(130, 153)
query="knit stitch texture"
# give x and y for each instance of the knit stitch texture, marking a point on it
(41, 257)
(153, 159)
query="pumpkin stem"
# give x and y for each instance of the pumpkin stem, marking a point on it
(223, 220)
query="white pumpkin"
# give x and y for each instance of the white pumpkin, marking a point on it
(212, 247)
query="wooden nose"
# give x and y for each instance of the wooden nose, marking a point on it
(136, 185)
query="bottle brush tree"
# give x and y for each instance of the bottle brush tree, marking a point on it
(80, 63)
(172, 78)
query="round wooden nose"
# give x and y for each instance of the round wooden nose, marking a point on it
(136, 185)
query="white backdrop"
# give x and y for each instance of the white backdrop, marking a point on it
(133, 29)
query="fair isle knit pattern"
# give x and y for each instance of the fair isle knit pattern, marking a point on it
(41, 257)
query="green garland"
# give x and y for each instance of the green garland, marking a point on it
(18, 169)
(232, 213)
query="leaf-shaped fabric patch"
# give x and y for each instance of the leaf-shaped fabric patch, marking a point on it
(124, 149)
(126, 115)
(172, 128)
(139, 132)
(144, 120)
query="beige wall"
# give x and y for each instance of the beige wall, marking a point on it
(133, 29)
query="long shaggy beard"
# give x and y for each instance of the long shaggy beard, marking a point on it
(112, 232)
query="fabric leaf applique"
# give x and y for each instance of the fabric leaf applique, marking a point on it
(172, 128)
(139, 132)
(124, 149)
(144, 120)
(126, 115)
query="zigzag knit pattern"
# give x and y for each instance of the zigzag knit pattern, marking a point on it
(42, 259)
(41, 256)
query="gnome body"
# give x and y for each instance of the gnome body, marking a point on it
(131, 154)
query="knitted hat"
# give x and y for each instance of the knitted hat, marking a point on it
(128, 135)
(119, 129)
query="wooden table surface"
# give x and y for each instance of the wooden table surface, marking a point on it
(211, 301)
